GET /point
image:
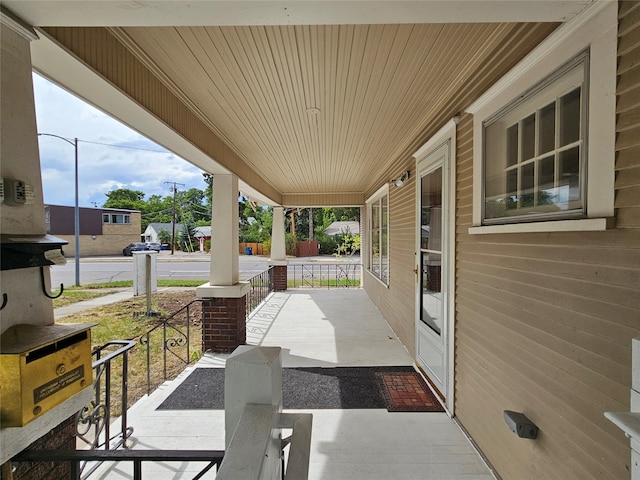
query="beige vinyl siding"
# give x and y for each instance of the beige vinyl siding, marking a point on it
(627, 201)
(397, 301)
(545, 321)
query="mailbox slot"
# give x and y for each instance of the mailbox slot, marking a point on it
(42, 366)
(56, 346)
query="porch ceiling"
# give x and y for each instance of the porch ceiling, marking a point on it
(319, 110)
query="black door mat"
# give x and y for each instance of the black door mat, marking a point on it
(302, 388)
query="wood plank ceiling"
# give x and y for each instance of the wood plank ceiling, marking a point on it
(328, 109)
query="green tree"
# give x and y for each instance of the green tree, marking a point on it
(164, 236)
(349, 245)
(190, 202)
(208, 191)
(187, 237)
(126, 199)
(255, 222)
(158, 210)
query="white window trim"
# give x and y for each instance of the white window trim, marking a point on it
(111, 215)
(381, 192)
(595, 28)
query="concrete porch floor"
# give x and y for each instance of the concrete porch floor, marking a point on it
(320, 328)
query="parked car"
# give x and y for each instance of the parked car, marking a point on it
(154, 246)
(134, 247)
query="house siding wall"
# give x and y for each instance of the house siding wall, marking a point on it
(544, 321)
(397, 301)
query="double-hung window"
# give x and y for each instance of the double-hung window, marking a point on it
(378, 233)
(544, 134)
(534, 151)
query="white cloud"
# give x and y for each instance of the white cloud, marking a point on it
(101, 168)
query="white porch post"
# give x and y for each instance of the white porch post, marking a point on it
(225, 269)
(278, 246)
(224, 308)
(25, 219)
(278, 260)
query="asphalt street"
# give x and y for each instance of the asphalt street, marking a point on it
(180, 266)
(194, 266)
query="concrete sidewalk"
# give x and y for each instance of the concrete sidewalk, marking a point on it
(123, 294)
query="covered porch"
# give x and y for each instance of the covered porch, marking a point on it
(317, 328)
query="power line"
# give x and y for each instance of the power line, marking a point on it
(113, 145)
(124, 146)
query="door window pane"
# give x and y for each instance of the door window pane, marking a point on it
(431, 212)
(431, 312)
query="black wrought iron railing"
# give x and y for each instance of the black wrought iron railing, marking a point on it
(174, 340)
(93, 426)
(77, 457)
(261, 287)
(324, 275)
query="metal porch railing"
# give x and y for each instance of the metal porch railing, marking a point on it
(261, 287)
(93, 422)
(169, 337)
(324, 275)
(77, 457)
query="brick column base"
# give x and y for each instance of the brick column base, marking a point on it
(279, 278)
(224, 324)
(62, 437)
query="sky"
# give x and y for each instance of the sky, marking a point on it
(143, 165)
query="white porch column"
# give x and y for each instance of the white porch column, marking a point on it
(278, 246)
(24, 218)
(21, 162)
(224, 308)
(225, 269)
(278, 260)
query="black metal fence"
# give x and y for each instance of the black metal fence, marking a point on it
(77, 457)
(93, 426)
(175, 342)
(324, 275)
(261, 287)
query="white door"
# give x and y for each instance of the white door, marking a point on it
(432, 296)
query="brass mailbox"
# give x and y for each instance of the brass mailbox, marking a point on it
(41, 366)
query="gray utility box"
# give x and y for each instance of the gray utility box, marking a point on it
(145, 272)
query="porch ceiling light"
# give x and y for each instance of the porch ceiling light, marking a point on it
(399, 182)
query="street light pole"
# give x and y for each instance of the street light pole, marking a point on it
(76, 217)
(76, 211)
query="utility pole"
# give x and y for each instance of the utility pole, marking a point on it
(173, 213)
(311, 224)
